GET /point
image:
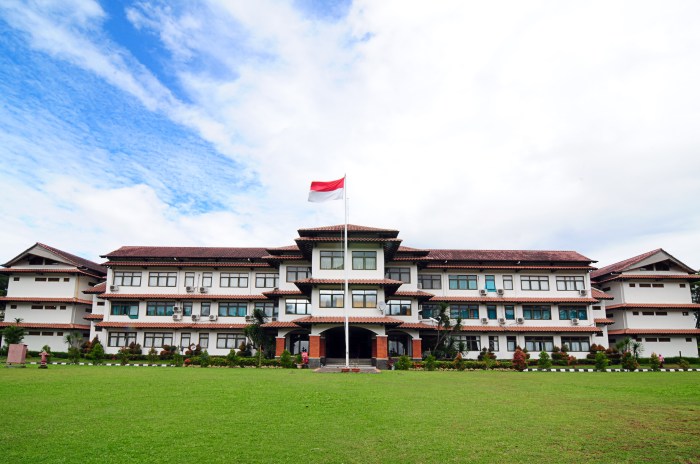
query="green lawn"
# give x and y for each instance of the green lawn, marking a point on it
(139, 414)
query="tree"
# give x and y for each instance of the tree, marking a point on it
(13, 334)
(97, 353)
(695, 294)
(445, 343)
(256, 333)
(545, 362)
(74, 340)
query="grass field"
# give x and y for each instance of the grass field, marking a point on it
(131, 414)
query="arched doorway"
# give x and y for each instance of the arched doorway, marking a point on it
(398, 344)
(360, 343)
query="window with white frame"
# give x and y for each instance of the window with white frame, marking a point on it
(537, 312)
(233, 309)
(268, 308)
(297, 306)
(364, 298)
(534, 283)
(331, 298)
(189, 279)
(207, 279)
(462, 282)
(229, 341)
(399, 307)
(233, 280)
(470, 342)
(127, 278)
(157, 339)
(507, 282)
(121, 339)
(399, 273)
(573, 312)
(430, 281)
(493, 343)
(570, 283)
(266, 280)
(160, 308)
(464, 311)
(537, 344)
(162, 279)
(576, 343)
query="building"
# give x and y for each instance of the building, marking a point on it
(45, 291)
(651, 303)
(185, 296)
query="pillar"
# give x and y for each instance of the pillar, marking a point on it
(417, 349)
(382, 354)
(279, 346)
(322, 347)
(374, 347)
(314, 351)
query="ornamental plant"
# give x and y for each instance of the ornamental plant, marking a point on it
(429, 363)
(124, 355)
(458, 363)
(97, 353)
(629, 362)
(204, 359)
(545, 362)
(519, 360)
(232, 358)
(286, 360)
(683, 364)
(654, 362)
(177, 358)
(404, 363)
(601, 361)
(152, 356)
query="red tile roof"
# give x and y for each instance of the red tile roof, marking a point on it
(341, 228)
(654, 331)
(283, 293)
(509, 255)
(513, 267)
(280, 325)
(187, 252)
(43, 270)
(180, 296)
(629, 262)
(657, 276)
(350, 239)
(416, 325)
(44, 325)
(93, 317)
(284, 258)
(40, 299)
(599, 295)
(340, 320)
(350, 281)
(498, 300)
(167, 325)
(218, 264)
(533, 329)
(414, 294)
(604, 321)
(99, 288)
(691, 306)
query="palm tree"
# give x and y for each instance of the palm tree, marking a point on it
(256, 333)
(13, 334)
(445, 341)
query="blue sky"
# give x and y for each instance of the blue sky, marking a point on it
(537, 125)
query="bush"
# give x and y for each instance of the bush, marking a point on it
(654, 362)
(218, 361)
(519, 360)
(152, 356)
(429, 363)
(458, 363)
(404, 363)
(286, 360)
(545, 362)
(683, 364)
(232, 358)
(97, 353)
(178, 359)
(601, 361)
(74, 355)
(204, 359)
(629, 362)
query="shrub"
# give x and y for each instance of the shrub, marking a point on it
(218, 361)
(629, 362)
(683, 364)
(429, 363)
(188, 362)
(404, 363)
(73, 355)
(613, 355)
(654, 362)
(601, 361)
(152, 356)
(519, 360)
(286, 360)
(177, 359)
(545, 362)
(97, 353)
(124, 355)
(458, 363)
(232, 358)
(134, 349)
(204, 359)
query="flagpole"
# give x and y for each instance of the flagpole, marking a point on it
(345, 267)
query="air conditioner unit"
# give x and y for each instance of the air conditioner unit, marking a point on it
(195, 317)
(273, 319)
(213, 317)
(189, 289)
(520, 320)
(574, 321)
(501, 320)
(177, 317)
(500, 292)
(177, 309)
(484, 320)
(249, 318)
(203, 289)
(420, 286)
(583, 292)
(114, 288)
(482, 292)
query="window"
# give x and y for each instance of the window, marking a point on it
(187, 308)
(471, 342)
(125, 308)
(664, 339)
(204, 341)
(332, 260)
(47, 334)
(206, 279)
(464, 311)
(205, 310)
(572, 312)
(462, 282)
(233, 309)
(16, 279)
(397, 345)
(162, 279)
(632, 285)
(508, 282)
(576, 343)
(157, 339)
(493, 343)
(491, 311)
(510, 312)
(399, 307)
(160, 308)
(399, 273)
(54, 307)
(267, 307)
(127, 278)
(364, 260)
(39, 279)
(37, 307)
(634, 313)
(647, 313)
(121, 338)
(267, 280)
(645, 285)
(570, 283)
(429, 281)
(534, 283)
(66, 279)
(491, 283)
(331, 298)
(688, 339)
(364, 298)
(297, 306)
(33, 332)
(512, 343)
(295, 273)
(657, 285)
(229, 340)
(537, 344)
(537, 312)
(429, 310)
(189, 279)
(185, 340)
(661, 313)
(651, 339)
(233, 280)
(685, 313)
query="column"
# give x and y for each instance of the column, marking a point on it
(382, 355)
(279, 346)
(322, 347)
(417, 349)
(314, 351)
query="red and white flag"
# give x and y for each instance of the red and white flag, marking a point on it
(324, 191)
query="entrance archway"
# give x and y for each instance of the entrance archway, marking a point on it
(360, 343)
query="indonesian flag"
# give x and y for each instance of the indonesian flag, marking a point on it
(324, 191)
